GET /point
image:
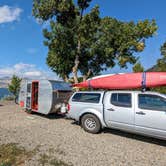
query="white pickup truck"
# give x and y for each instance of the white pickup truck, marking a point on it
(133, 111)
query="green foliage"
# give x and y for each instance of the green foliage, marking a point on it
(161, 66)
(14, 86)
(159, 89)
(138, 67)
(87, 43)
(161, 63)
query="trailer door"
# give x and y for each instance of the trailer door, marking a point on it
(34, 97)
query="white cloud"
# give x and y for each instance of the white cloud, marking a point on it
(9, 14)
(23, 66)
(33, 74)
(26, 71)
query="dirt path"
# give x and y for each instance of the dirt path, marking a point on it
(66, 141)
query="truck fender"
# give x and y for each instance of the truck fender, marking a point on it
(94, 112)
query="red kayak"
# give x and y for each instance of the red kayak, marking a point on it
(125, 81)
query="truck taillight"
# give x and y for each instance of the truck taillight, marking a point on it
(68, 107)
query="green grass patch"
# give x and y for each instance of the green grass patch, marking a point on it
(56, 162)
(12, 154)
(51, 160)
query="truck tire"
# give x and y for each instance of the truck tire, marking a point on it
(91, 123)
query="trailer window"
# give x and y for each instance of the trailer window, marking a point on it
(29, 88)
(151, 102)
(86, 97)
(121, 99)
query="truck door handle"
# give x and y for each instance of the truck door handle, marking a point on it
(140, 113)
(110, 109)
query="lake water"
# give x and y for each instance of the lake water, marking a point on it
(4, 92)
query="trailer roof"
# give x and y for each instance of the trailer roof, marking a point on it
(61, 86)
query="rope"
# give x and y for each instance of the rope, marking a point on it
(143, 81)
(89, 85)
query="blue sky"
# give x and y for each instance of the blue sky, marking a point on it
(21, 41)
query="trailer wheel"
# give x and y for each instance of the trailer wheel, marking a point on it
(29, 111)
(91, 123)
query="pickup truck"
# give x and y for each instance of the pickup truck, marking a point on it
(131, 111)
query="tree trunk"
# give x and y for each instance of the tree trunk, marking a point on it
(75, 68)
(85, 77)
(66, 79)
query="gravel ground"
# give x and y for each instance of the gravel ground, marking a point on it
(68, 142)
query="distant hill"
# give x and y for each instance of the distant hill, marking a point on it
(4, 81)
(154, 68)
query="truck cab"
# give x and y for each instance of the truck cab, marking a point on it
(132, 111)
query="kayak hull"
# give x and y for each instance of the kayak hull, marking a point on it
(125, 81)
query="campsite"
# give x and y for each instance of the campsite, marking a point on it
(82, 83)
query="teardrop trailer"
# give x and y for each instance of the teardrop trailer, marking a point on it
(44, 96)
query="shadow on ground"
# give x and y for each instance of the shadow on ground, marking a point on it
(130, 135)
(49, 116)
(135, 136)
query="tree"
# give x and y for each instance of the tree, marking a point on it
(14, 86)
(138, 67)
(161, 63)
(160, 66)
(85, 43)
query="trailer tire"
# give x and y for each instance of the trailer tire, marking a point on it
(29, 111)
(91, 123)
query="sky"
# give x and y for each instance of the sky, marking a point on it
(21, 41)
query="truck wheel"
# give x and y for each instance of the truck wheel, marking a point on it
(90, 123)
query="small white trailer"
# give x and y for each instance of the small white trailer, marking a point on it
(43, 96)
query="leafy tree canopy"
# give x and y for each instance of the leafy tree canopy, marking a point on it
(14, 86)
(161, 63)
(84, 43)
(138, 67)
(160, 66)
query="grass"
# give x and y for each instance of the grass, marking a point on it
(12, 154)
(56, 162)
(51, 159)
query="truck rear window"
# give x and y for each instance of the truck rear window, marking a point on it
(121, 99)
(86, 97)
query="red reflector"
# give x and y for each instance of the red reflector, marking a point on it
(68, 107)
(21, 103)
